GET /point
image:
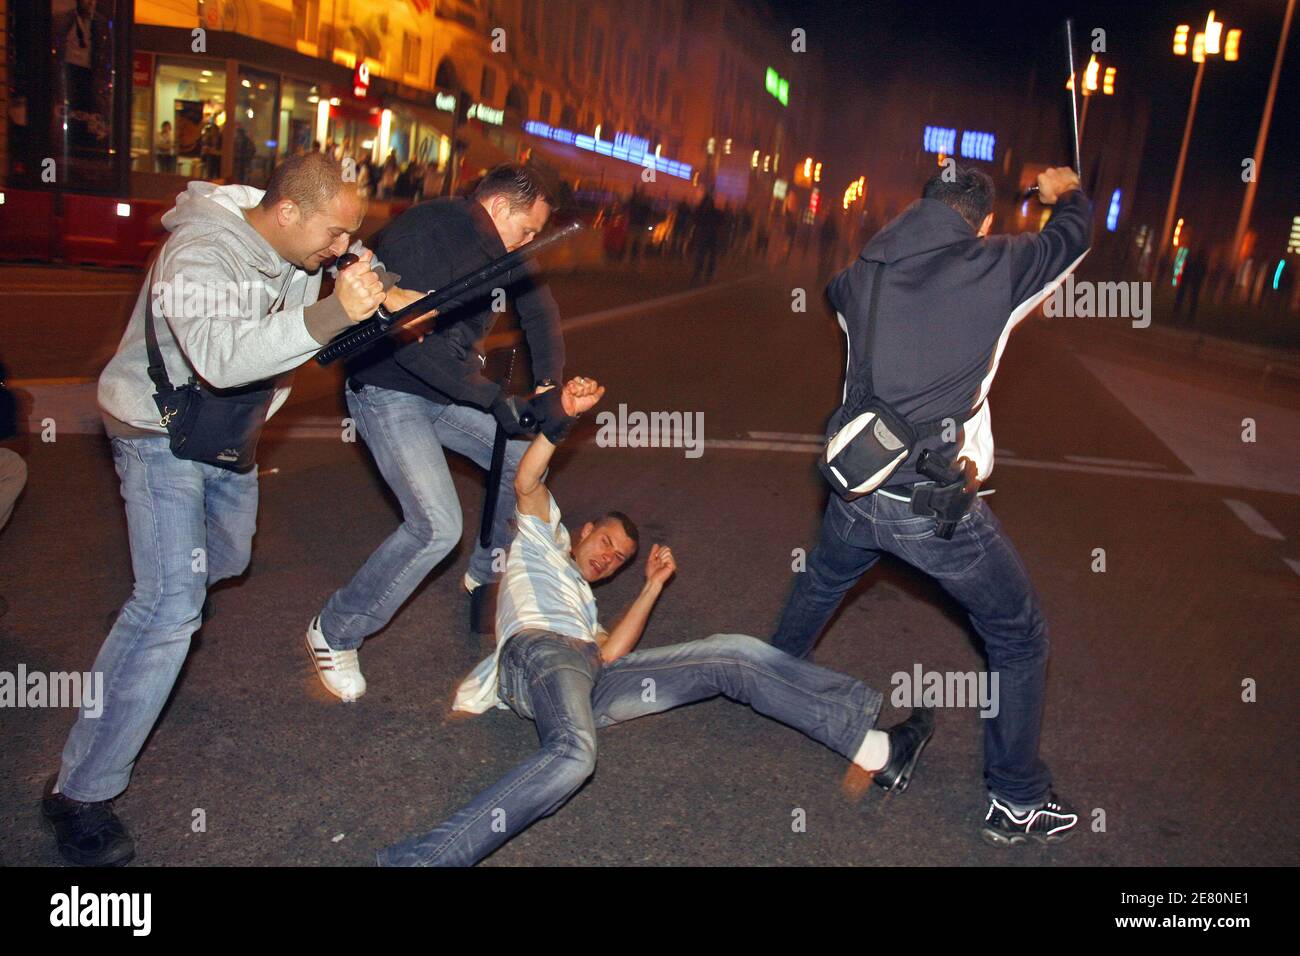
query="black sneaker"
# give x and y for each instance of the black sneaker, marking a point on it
(906, 741)
(483, 609)
(1053, 822)
(88, 834)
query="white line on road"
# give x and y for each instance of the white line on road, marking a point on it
(1293, 564)
(68, 293)
(619, 312)
(1116, 462)
(786, 436)
(1253, 520)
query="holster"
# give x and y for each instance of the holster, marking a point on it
(947, 503)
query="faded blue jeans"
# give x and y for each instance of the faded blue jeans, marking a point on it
(407, 436)
(561, 684)
(980, 568)
(190, 525)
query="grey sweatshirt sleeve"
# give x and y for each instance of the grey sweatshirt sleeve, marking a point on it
(326, 318)
(223, 330)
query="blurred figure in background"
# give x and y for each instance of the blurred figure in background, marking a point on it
(164, 148)
(708, 229)
(681, 228)
(13, 470)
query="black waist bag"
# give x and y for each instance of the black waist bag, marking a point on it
(867, 449)
(875, 440)
(215, 426)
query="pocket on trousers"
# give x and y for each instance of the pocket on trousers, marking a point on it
(938, 558)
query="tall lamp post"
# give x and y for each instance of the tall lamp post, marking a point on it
(1096, 78)
(1244, 220)
(1213, 41)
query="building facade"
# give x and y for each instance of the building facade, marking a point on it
(672, 97)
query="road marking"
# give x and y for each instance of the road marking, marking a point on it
(37, 382)
(786, 436)
(619, 312)
(1253, 520)
(1116, 462)
(745, 444)
(1293, 564)
(68, 294)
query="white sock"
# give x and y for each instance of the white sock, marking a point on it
(874, 752)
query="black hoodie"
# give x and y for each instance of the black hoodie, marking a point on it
(948, 301)
(437, 242)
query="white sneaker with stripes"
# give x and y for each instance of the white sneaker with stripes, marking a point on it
(339, 671)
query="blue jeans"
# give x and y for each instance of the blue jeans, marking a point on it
(980, 568)
(407, 436)
(190, 525)
(561, 684)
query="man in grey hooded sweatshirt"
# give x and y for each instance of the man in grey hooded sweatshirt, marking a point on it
(234, 292)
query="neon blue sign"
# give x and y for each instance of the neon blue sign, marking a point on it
(630, 149)
(977, 145)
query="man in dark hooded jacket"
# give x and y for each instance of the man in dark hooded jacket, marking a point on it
(949, 297)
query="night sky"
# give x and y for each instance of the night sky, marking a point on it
(979, 41)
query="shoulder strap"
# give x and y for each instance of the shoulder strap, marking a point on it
(924, 429)
(877, 267)
(157, 368)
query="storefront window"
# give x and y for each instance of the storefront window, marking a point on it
(299, 104)
(255, 127)
(144, 136)
(190, 106)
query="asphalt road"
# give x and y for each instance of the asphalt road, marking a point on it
(1101, 445)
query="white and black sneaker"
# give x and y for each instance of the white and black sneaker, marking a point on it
(339, 671)
(1053, 822)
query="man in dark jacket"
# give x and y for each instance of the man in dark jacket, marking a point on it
(949, 297)
(413, 401)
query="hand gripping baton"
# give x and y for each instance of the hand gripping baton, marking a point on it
(383, 322)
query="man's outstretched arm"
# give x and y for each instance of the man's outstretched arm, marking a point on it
(531, 495)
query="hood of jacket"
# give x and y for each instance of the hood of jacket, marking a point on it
(927, 225)
(205, 208)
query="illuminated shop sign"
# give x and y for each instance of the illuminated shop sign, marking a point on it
(977, 145)
(1112, 214)
(974, 144)
(940, 139)
(778, 86)
(479, 111)
(630, 150)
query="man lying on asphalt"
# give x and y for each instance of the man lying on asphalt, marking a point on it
(554, 664)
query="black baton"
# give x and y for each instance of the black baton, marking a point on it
(383, 322)
(493, 490)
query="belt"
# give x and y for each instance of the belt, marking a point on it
(897, 492)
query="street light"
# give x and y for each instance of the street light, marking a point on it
(1230, 53)
(1092, 86)
(1207, 43)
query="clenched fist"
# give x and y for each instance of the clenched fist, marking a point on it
(358, 289)
(1056, 182)
(580, 394)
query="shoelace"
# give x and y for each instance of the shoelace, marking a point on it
(345, 663)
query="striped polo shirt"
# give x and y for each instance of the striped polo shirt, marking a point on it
(542, 589)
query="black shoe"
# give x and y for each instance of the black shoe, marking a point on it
(483, 609)
(1053, 822)
(88, 834)
(906, 741)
